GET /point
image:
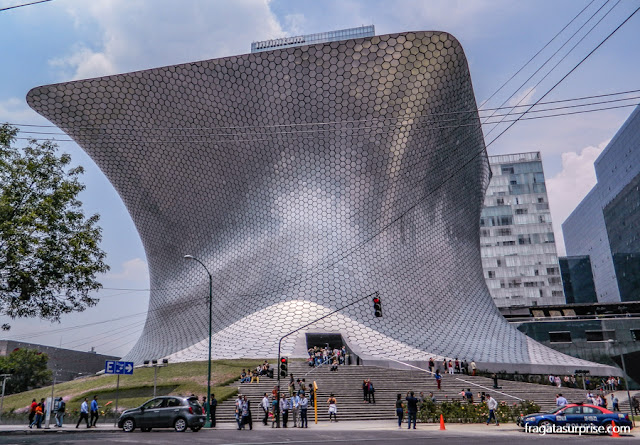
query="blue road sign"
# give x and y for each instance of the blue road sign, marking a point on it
(116, 367)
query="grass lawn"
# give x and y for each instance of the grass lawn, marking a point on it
(174, 379)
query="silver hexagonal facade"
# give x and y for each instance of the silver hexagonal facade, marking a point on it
(305, 178)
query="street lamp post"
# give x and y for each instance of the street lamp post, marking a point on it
(208, 407)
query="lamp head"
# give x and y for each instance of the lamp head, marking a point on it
(188, 257)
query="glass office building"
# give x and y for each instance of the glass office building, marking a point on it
(577, 279)
(518, 247)
(606, 224)
(312, 39)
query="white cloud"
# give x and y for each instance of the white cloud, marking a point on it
(571, 185)
(144, 34)
(295, 23)
(16, 110)
(133, 271)
(522, 98)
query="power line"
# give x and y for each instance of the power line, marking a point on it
(552, 56)
(355, 130)
(327, 123)
(403, 124)
(572, 69)
(535, 55)
(24, 4)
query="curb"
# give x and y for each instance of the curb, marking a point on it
(43, 431)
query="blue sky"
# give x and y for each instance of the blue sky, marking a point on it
(71, 39)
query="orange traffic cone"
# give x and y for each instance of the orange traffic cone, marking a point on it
(442, 423)
(614, 430)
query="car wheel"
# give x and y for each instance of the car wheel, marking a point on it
(128, 425)
(545, 424)
(608, 428)
(145, 430)
(180, 425)
(195, 429)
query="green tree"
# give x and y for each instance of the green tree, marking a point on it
(49, 250)
(28, 369)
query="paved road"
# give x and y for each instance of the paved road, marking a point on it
(364, 433)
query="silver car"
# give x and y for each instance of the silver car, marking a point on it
(175, 412)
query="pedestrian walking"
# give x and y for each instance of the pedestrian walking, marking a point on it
(246, 413)
(438, 378)
(94, 412)
(213, 405)
(560, 401)
(450, 367)
(399, 410)
(275, 412)
(60, 410)
(614, 403)
(239, 411)
(431, 365)
(492, 404)
(473, 367)
(371, 391)
(37, 419)
(333, 408)
(304, 405)
(32, 411)
(84, 413)
(265, 408)
(412, 409)
(365, 390)
(284, 409)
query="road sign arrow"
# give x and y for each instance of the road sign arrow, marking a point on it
(128, 368)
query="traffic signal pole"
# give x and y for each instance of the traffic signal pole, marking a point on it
(375, 294)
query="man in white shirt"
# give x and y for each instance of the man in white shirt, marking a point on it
(561, 401)
(492, 404)
(296, 409)
(265, 407)
(304, 404)
(84, 413)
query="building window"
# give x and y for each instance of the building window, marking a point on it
(521, 211)
(560, 337)
(507, 170)
(491, 274)
(513, 182)
(503, 232)
(600, 335)
(540, 200)
(552, 271)
(635, 334)
(536, 273)
(554, 280)
(541, 218)
(557, 293)
(500, 201)
(499, 262)
(485, 232)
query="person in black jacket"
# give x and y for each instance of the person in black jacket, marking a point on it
(365, 390)
(213, 404)
(412, 409)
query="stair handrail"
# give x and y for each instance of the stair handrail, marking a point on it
(458, 378)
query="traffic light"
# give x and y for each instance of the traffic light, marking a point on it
(377, 306)
(283, 367)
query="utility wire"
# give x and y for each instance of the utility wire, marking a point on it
(328, 123)
(535, 55)
(571, 71)
(511, 113)
(25, 4)
(355, 130)
(551, 57)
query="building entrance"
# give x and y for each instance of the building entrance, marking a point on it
(332, 341)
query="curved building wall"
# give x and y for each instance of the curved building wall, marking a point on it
(304, 178)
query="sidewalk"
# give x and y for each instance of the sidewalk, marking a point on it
(24, 429)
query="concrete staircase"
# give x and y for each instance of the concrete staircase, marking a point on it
(346, 385)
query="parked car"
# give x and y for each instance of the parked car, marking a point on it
(576, 414)
(175, 412)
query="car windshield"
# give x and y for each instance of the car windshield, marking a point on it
(556, 410)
